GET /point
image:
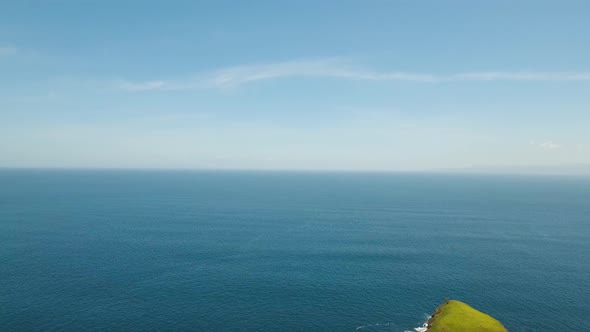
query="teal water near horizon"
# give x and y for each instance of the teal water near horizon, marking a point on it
(288, 251)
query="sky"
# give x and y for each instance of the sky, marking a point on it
(296, 85)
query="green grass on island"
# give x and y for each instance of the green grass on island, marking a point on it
(458, 316)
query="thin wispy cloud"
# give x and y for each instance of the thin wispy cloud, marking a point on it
(142, 86)
(334, 69)
(312, 69)
(7, 51)
(519, 76)
(547, 145)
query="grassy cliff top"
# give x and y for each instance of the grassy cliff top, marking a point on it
(458, 316)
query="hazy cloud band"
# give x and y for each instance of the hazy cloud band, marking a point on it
(328, 69)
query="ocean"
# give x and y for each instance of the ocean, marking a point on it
(289, 251)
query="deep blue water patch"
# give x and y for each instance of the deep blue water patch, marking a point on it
(280, 251)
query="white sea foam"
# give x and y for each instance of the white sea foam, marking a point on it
(372, 327)
(422, 328)
(362, 327)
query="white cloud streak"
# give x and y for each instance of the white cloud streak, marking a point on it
(332, 69)
(519, 76)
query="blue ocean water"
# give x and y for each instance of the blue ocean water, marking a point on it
(280, 251)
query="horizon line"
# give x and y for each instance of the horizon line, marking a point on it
(450, 171)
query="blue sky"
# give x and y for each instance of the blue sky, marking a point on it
(345, 85)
